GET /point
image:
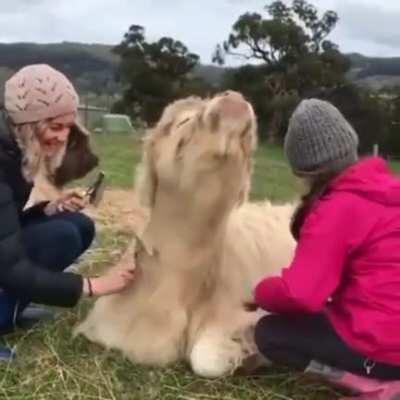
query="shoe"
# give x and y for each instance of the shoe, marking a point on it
(372, 389)
(364, 388)
(27, 319)
(253, 365)
(7, 354)
(6, 330)
(32, 315)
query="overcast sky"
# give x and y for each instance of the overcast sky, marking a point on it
(371, 27)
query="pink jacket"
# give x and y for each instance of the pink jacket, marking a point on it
(347, 262)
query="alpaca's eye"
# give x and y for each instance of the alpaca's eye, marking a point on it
(183, 122)
(183, 141)
(219, 156)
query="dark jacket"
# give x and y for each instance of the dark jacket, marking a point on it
(18, 274)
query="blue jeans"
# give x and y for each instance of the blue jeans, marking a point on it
(51, 242)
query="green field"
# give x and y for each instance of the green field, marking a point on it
(271, 178)
(51, 364)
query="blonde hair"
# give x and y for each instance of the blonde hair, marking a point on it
(27, 138)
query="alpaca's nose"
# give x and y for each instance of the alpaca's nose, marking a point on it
(232, 93)
(234, 99)
(233, 105)
(228, 108)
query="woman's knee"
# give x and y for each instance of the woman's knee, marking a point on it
(53, 245)
(68, 241)
(84, 226)
(69, 234)
(275, 342)
(87, 229)
(274, 332)
(264, 334)
(8, 304)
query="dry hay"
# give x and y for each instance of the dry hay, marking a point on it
(119, 210)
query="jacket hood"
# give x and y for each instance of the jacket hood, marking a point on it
(7, 139)
(370, 178)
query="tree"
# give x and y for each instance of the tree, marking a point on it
(280, 39)
(154, 73)
(292, 48)
(246, 79)
(391, 144)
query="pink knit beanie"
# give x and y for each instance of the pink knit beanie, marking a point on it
(39, 92)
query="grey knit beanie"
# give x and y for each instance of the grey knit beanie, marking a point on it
(319, 139)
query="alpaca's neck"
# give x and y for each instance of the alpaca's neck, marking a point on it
(184, 234)
(186, 249)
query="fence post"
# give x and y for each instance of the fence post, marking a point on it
(375, 150)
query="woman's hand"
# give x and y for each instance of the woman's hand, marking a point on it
(114, 281)
(72, 201)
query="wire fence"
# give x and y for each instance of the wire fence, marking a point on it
(387, 155)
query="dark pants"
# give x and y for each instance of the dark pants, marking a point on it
(51, 242)
(295, 341)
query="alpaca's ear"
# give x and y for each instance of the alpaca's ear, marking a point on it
(249, 145)
(244, 193)
(146, 179)
(243, 197)
(249, 142)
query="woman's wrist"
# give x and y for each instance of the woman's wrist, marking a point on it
(87, 288)
(90, 287)
(49, 209)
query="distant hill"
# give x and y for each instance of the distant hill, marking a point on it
(210, 73)
(375, 72)
(92, 67)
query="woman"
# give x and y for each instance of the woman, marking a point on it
(336, 308)
(38, 243)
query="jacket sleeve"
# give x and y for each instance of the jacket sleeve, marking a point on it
(35, 211)
(317, 268)
(19, 274)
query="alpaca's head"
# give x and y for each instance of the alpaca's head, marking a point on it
(199, 153)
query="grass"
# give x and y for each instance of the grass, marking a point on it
(272, 177)
(395, 166)
(118, 154)
(51, 364)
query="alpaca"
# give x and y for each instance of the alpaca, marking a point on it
(204, 246)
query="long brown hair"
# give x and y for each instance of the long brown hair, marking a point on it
(318, 185)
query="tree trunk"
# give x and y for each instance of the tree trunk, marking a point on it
(273, 131)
